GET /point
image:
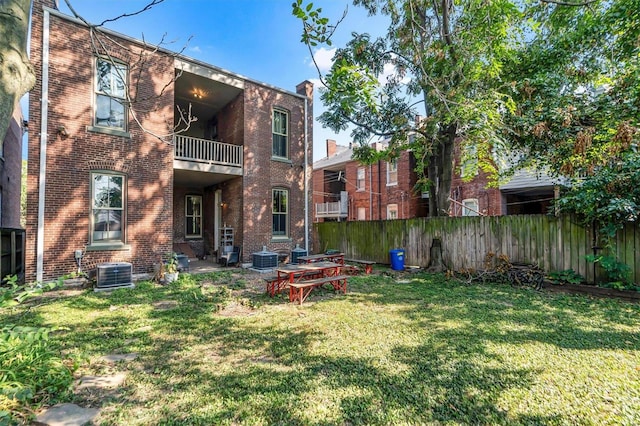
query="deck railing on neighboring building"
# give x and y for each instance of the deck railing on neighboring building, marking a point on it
(206, 151)
(335, 209)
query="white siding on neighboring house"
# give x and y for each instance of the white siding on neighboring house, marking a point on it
(529, 179)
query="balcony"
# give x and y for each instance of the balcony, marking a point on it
(331, 210)
(205, 151)
(205, 162)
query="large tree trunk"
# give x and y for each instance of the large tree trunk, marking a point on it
(17, 76)
(440, 171)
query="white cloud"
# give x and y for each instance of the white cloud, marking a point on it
(390, 70)
(316, 83)
(324, 58)
(195, 49)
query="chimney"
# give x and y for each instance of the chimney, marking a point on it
(331, 148)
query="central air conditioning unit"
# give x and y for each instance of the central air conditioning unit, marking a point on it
(114, 275)
(264, 259)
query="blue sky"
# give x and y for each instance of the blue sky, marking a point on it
(259, 39)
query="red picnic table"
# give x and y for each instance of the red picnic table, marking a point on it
(303, 278)
(323, 257)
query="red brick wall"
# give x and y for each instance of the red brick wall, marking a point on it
(490, 201)
(262, 173)
(231, 122)
(377, 194)
(11, 173)
(143, 158)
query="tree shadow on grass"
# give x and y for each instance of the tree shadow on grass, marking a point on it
(567, 322)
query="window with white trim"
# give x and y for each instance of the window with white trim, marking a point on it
(392, 211)
(470, 207)
(110, 109)
(280, 133)
(360, 177)
(107, 207)
(392, 172)
(193, 216)
(280, 212)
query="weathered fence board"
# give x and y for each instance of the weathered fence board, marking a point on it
(553, 243)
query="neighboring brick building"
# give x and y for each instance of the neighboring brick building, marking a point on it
(11, 173)
(527, 192)
(344, 189)
(121, 193)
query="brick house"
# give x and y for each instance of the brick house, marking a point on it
(11, 172)
(109, 176)
(12, 235)
(344, 189)
(527, 192)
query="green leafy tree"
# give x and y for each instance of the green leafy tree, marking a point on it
(548, 83)
(578, 107)
(448, 58)
(17, 76)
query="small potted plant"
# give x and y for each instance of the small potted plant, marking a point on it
(171, 268)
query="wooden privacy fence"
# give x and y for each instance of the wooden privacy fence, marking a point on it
(553, 243)
(12, 244)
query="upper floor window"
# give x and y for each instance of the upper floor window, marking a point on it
(470, 207)
(110, 103)
(280, 212)
(392, 172)
(280, 133)
(360, 179)
(107, 208)
(193, 216)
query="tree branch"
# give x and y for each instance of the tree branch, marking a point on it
(569, 3)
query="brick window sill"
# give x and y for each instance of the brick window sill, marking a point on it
(107, 131)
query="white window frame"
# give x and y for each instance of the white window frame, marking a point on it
(361, 176)
(119, 71)
(392, 172)
(276, 213)
(470, 207)
(361, 213)
(392, 211)
(195, 216)
(279, 133)
(119, 235)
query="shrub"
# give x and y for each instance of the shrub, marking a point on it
(31, 372)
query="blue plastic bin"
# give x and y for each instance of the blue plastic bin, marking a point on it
(397, 259)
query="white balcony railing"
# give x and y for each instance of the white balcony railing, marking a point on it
(335, 209)
(187, 148)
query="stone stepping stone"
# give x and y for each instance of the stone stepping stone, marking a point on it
(67, 415)
(113, 358)
(100, 382)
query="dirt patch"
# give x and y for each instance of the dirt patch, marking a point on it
(164, 305)
(631, 296)
(235, 309)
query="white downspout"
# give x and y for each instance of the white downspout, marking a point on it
(370, 195)
(44, 111)
(306, 178)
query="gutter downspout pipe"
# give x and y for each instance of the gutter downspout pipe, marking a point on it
(44, 111)
(306, 177)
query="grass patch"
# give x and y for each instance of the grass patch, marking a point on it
(405, 349)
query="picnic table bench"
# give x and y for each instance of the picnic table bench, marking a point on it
(300, 290)
(323, 257)
(275, 284)
(367, 264)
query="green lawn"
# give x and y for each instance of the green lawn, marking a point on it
(403, 349)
